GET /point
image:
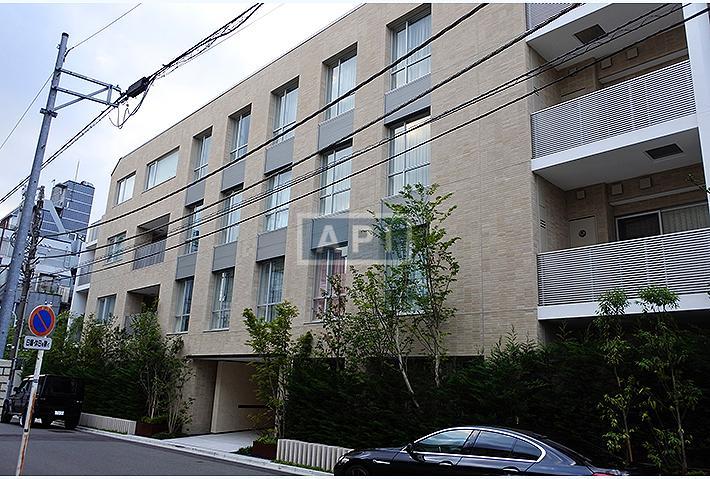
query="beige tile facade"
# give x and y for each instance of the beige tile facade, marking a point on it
(505, 215)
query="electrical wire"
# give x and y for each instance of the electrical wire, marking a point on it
(102, 29)
(22, 117)
(308, 118)
(581, 50)
(194, 51)
(261, 196)
(440, 135)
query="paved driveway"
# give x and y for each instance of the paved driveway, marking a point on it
(55, 451)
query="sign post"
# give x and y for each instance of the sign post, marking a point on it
(41, 324)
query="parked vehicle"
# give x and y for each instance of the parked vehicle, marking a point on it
(58, 397)
(473, 450)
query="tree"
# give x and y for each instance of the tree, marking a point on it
(432, 259)
(664, 352)
(271, 342)
(616, 407)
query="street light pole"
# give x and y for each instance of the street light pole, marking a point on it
(25, 219)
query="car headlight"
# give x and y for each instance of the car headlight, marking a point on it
(343, 460)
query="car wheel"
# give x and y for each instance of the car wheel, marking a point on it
(6, 416)
(46, 421)
(357, 471)
(71, 422)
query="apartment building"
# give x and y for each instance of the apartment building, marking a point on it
(65, 214)
(577, 188)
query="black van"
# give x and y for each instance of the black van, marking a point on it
(58, 397)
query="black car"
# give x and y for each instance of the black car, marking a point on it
(473, 450)
(58, 397)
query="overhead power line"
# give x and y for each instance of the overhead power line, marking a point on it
(286, 131)
(220, 33)
(103, 28)
(567, 56)
(22, 117)
(404, 105)
(455, 128)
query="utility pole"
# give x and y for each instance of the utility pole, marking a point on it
(27, 273)
(23, 224)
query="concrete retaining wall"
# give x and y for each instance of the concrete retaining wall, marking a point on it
(309, 454)
(107, 423)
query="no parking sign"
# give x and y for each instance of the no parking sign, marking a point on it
(42, 321)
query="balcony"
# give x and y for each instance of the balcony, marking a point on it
(148, 255)
(657, 97)
(536, 13)
(84, 276)
(570, 281)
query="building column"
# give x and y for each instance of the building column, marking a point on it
(697, 32)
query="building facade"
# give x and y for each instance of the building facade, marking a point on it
(65, 216)
(579, 187)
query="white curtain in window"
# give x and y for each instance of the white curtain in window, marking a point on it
(684, 219)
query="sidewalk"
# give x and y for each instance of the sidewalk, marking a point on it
(279, 469)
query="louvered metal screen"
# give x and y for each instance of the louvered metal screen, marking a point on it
(680, 261)
(537, 13)
(646, 100)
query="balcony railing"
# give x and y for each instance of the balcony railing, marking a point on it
(84, 275)
(680, 261)
(537, 13)
(149, 255)
(650, 99)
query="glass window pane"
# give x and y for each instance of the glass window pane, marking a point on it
(686, 219)
(492, 444)
(525, 450)
(448, 442)
(639, 226)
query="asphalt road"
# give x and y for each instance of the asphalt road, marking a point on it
(55, 451)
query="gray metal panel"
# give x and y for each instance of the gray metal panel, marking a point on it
(185, 266)
(195, 193)
(335, 128)
(225, 256)
(271, 244)
(330, 230)
(405, 93)
(233, 175)
(279, 155)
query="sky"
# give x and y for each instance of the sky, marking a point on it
(135, 46)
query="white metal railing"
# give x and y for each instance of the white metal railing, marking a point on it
(84, 275)
(148, 255)
(536, 13)
(309, 454)
(650, 99)
(107, 423)
(680, 261)
(92, 234)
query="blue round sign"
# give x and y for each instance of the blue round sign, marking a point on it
(42, 321)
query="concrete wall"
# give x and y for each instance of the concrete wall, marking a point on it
(234, 398)
(4, 377)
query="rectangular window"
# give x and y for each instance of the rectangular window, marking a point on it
(222, 304)
(203, 156)
(285, 114)
(124, 189)
(410, 158)
(270, 287)
(192, 236)
(162, 170)
(277, 203)
(405, 39)
(335, 187)
(231, 215)
(182, 312)
(341, 79)
(104, 308)
(240, 136)
(115, 247)
(329, 262)
(669, 220)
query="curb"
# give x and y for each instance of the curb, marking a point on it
(225, 456)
